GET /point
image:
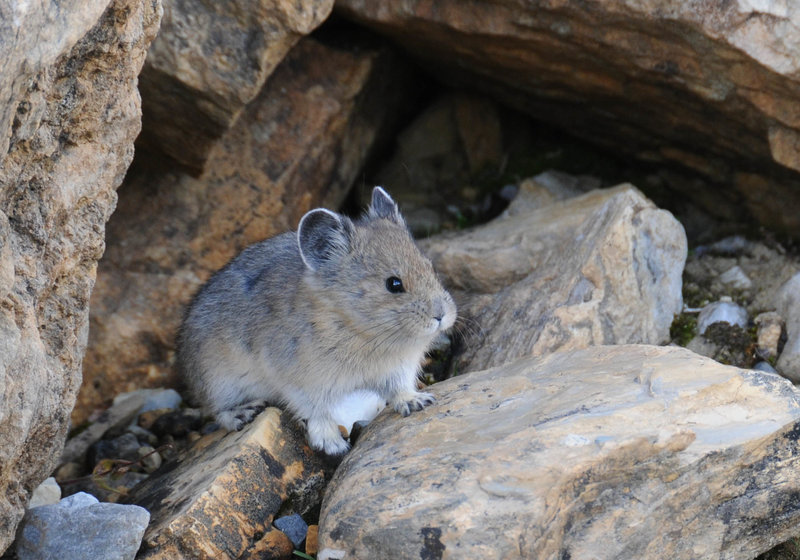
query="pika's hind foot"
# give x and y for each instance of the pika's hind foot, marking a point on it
(235, 419)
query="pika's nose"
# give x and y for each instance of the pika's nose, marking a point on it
(438, 311)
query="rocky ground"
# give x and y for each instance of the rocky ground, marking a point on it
(738, 298)
(568, 261)
(738, 305)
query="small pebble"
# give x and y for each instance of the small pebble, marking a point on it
(508, 192)
(125, 447)
(721, 312)
(193, 436)
(178, 423)
(765, 366)
(736, 278)
(149, 417)
(145, 437)
(311, 540)
(48, 492)
(150, 458)
(294, 527)
(770, 328)
(152, 399)
(171, 450)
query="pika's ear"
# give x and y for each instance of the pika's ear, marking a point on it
(323, 235)
(383, 206)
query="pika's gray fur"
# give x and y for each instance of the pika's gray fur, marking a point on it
(303, 319)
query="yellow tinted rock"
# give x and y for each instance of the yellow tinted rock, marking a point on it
(218, 500)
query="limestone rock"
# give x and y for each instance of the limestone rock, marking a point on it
(607, 452)
(210, 59)
(298, 145)
(602, 268)
(69, 115)
(78, 527)
(713, 89)
(219, 499)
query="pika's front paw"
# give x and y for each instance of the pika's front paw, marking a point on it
(235, 419)
(407, 404)
(325, 436)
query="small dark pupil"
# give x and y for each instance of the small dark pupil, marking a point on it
(395, 285)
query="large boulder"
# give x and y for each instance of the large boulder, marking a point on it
(299, 144)
(713, 89)
(209, 61)
(601, 268)
(608, 452)
(69, 115)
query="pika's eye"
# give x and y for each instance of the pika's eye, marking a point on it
(395, 285)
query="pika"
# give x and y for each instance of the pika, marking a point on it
(305, 318)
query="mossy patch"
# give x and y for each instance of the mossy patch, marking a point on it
(735, 346)
(683, 328)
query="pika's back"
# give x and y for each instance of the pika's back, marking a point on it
(261, 270)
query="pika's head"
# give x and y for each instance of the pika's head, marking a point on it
(373, 275)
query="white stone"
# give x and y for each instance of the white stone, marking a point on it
(48, 492)
(721, 312)
(736, 278)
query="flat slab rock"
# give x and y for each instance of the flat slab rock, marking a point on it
(608, 452)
